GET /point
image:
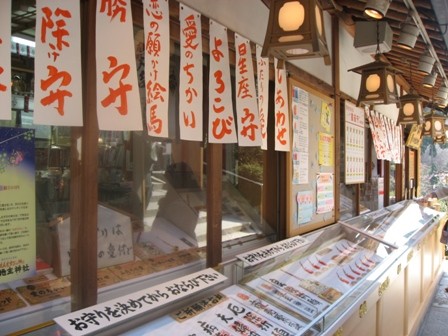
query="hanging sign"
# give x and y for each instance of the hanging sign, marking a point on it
(5, 60)
(58, 86)
(157, 64)
(17, 204)
(221, 125)
(263, 95)
(190, 77)
(354, 144)
(143, 301)
(246, 97)
(281, 110)
(118, 103)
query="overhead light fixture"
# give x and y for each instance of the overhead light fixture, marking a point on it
(376, 9)
(442, 103)
(426, 63)
(430, 80)
(20, 40)
(408, 35)
(434, 125)
(378, 82)
(410, 111)
(442, 93)
(295, 30)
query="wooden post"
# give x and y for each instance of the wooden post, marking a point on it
(84, 170)
(214, 204)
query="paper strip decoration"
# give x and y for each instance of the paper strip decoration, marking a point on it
(5, 60)
(221, 126)
(118, 102)
(157, 63)
(190, 78)
(248, 122)
(58, 86)
(282, 128)
(263, 94)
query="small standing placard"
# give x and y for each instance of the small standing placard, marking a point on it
(114, 240)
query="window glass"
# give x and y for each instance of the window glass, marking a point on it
(152, 208)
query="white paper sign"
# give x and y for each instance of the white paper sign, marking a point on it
(190, 77)
(118, 101)
(268, 252)
(157, 64)
(115, 244)
(58, 86)
(221, 125)
(248, 122)
(282, 129)
(5, 60)
(354, 144)
(263, 95)
(107, 314)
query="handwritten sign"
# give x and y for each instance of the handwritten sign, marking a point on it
(45, 291)
(114, 240)
(112, 312)
(5, 60)
(246, 99)
(157, 62)
(268, 252)
(58, 92)
(118, 100)
(190, 76)
(221, 125)
(263, 95)
(282, 129)
(9, 300)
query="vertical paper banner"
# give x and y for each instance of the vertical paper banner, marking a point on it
(300, 120)
(354, 144)
(157, 64)
(221, 125)
(58, 87)
(190, 77)
(263, 95)
(246, 96)
(281, 110)
(5, 60)
(18, 208)
(118, 103)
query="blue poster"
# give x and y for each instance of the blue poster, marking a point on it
(17, 204)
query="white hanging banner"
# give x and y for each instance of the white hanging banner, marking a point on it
(58, 86)
(5, 60)
(263, 95)
(157, 64)
(118, 102)
(246, 96)
(221, 125)
(282, 128)
(190, 77)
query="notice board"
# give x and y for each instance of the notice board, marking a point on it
(310, 172)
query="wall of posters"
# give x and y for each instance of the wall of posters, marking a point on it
(17, 204)
(312, 155)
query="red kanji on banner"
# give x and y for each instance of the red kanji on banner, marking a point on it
(114, 8)
(57, 28)
(249, 127)
(57, 95)
(121, 91)
(2, 87)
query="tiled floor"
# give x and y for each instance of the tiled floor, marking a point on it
(435, 322)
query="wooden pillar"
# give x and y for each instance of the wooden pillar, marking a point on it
(337, 111)
(386, 183)
(84, 170)
(214, 204)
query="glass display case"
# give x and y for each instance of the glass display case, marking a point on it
(397, 224)
(307, 285)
